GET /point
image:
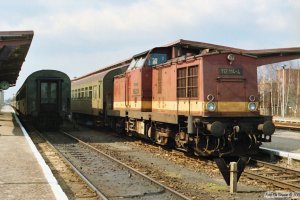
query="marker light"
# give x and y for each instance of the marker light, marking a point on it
(251, 98)
(210, 97)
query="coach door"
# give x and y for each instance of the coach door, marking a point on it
(100, 99)
(95, 101)
(49, 96)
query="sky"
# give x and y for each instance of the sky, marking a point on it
(81, 36)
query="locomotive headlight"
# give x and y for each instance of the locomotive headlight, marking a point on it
(211, 106)
(252, 106)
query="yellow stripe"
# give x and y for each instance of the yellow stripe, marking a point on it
(184, 106)
(232, 107)
(133, 105)
(147, 105)
(199, 106)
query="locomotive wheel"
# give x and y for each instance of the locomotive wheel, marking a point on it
(161, 140)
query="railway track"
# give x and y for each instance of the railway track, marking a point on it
(278, 176)
(108, 177)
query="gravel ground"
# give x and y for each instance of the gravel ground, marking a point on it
(196, 178)
(70, 182)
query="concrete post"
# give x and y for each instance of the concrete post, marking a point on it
(290, 161)
(233, 177)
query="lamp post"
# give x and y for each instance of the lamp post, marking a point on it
(283, 80)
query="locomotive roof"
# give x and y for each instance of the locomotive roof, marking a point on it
(14, 46)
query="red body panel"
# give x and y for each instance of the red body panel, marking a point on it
(133, 91)
(167, 89)
(236, 86)
(119, 93)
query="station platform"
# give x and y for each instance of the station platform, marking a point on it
(285, 144)
(285, 140)
(286, 119)
(23, 172)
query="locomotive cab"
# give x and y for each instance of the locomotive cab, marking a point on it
(228, 122)
(211, 98)
(138, 79)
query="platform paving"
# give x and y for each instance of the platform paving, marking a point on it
(21, 174)
(285, 140)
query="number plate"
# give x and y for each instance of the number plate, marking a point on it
(231, 71)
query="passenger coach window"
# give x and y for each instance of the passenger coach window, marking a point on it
(90, 92)
(82, 93)
(94, 91)
(48, 92)
(99, 92)
(86, 93)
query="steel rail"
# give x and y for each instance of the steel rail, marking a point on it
(128, 167)
(276, 167)
(273, 181)
(277, 183)
(92, 187)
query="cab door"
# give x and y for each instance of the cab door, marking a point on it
(127, 90)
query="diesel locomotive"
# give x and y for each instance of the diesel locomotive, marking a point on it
(195, 96)
(44, 99)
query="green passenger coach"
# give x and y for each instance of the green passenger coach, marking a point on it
(44, 98)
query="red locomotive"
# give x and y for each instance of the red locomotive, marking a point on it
(191, 95)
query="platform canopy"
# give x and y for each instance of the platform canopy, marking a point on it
(263, 56)
(14, 46)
